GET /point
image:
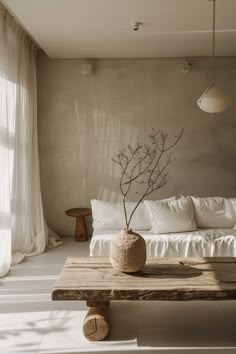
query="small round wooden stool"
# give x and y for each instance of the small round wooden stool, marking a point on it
(81, 234)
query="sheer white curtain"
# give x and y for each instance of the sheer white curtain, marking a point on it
(22, 226)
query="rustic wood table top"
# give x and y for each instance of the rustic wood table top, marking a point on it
(93, 278)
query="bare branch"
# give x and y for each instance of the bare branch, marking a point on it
(146, 165)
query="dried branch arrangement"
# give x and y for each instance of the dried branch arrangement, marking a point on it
(146, 165)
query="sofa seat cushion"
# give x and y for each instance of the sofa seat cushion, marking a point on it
(199, 243)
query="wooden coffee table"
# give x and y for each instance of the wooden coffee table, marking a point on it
(173, 279)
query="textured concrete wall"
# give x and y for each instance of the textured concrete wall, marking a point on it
(84, 120)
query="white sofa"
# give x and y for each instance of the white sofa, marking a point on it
(174, 227)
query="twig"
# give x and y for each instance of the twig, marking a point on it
(143, 164)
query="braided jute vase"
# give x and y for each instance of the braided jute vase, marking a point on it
(128, 251)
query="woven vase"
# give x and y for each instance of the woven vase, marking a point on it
(128, 251)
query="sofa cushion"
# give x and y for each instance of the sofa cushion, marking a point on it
(171, 215)
(215, 212)
(199, 243)
(110, 215)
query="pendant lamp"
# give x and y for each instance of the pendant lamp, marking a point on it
(213, 100)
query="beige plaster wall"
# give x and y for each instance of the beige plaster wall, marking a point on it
(84, 120)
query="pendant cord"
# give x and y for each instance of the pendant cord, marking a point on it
(213, 44)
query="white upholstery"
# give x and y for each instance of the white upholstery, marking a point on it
(215, 212)
(109, 215)
(171, 215)
(215, 216)
(199, 243)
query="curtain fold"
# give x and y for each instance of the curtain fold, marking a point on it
(23, 230)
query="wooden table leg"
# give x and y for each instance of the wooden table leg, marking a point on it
(96, 322)
(80, 229)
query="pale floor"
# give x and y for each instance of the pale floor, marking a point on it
(31, 323)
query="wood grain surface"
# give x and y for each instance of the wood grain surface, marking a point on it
(93, 278)
(96, 323)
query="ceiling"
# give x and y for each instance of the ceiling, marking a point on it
(103, 28)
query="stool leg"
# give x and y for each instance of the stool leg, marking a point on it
(80, 229)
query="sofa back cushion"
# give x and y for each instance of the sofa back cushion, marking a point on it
(171, 215)
(110, 215)
(215, 212)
